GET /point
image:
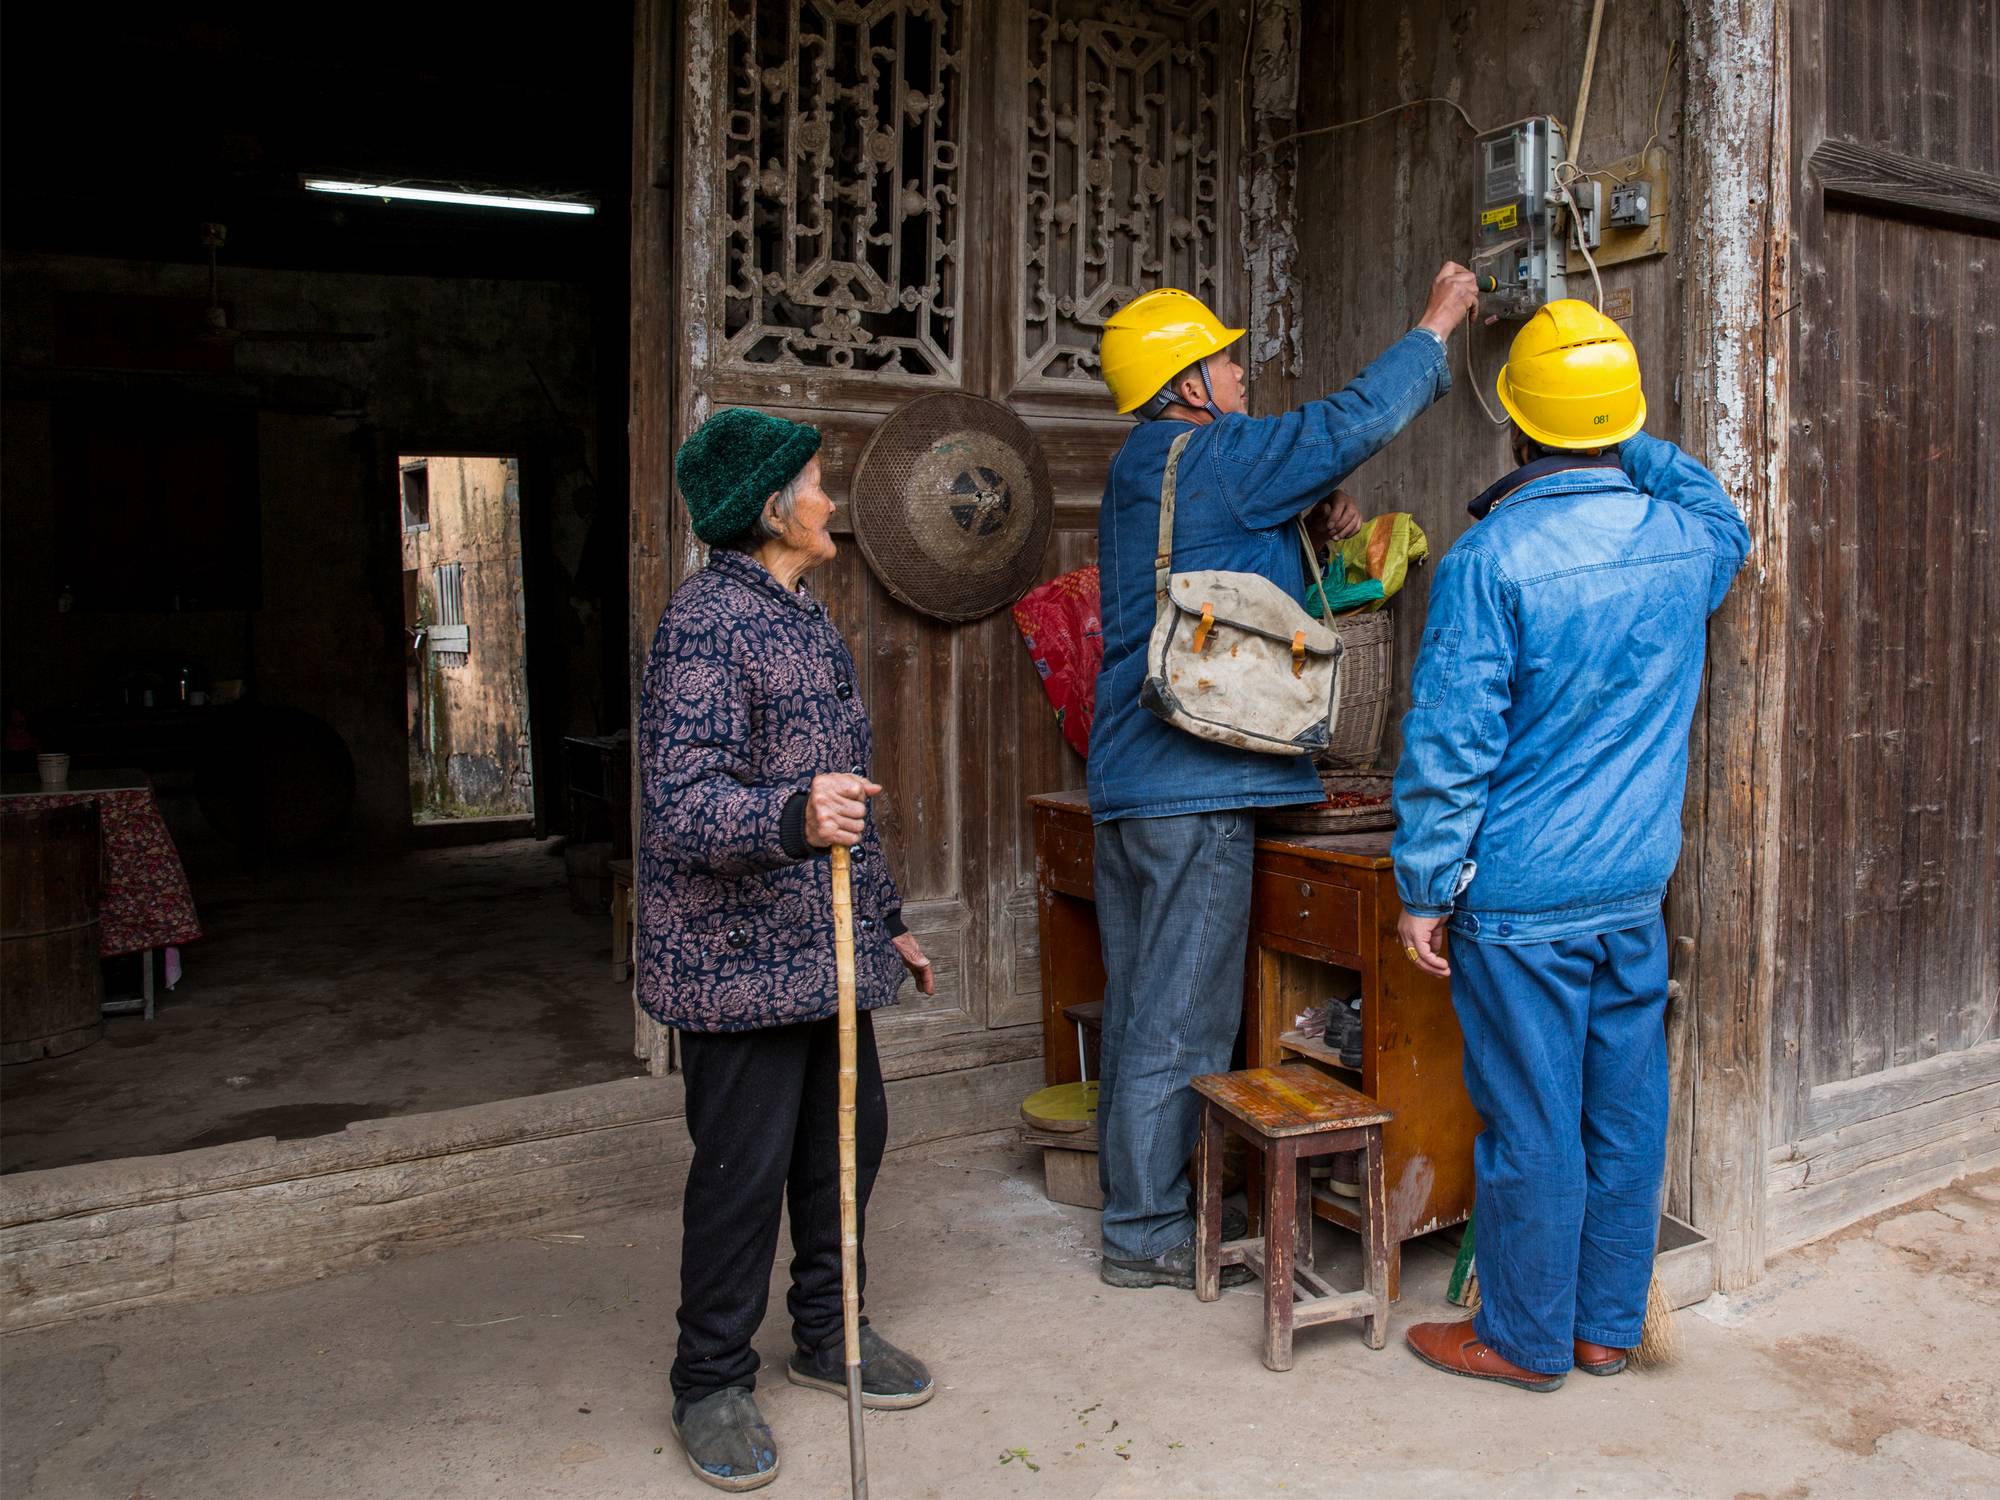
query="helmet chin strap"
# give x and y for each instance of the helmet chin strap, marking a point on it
(1209, 390)
(1168, 398)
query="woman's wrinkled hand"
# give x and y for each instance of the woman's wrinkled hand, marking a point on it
(912, 954)
(837, 809)
(1334, 519)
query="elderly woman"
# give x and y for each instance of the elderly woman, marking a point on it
(755, 756)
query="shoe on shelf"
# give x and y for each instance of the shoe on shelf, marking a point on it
(1345, 1175)
(727, 1442)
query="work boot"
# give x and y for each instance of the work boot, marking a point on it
(726, 1440)
(1173, 1267)
(1600, 1359)
(1343, 1032)
(891, 1380)
(1457, 1350)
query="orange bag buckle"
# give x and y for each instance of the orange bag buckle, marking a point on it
(1299, 654)
(1202, 630)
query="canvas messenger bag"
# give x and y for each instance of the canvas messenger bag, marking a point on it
(1233, 657)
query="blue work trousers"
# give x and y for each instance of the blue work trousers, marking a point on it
(1566, 1062)
(1173, 911)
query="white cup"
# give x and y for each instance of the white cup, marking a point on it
(54, 771)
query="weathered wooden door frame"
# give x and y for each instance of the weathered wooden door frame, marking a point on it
(1735, 214)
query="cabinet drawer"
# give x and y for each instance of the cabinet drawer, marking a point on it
(1066, 853)
(1315, 912)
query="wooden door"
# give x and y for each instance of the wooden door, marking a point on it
(1885, 1068)
(881, 199)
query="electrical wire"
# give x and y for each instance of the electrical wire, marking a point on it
(1498, 419)
(1473, 375)
(1299, 135)
(1576, 232)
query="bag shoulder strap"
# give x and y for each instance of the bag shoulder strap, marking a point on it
(1163, 556)
(1319, 583)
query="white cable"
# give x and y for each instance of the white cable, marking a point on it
(1472, 379)
(1471, 376)
(1576, 229)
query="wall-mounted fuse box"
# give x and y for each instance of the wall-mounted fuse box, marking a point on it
(1520, 239)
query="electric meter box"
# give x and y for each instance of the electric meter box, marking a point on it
(1519, 241)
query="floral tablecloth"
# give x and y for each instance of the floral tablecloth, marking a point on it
(146, 903)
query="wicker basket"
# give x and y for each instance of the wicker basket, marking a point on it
(1367, 669)
(1318, 818)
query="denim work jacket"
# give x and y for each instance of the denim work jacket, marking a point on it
(1243, 482)
(1545, 757)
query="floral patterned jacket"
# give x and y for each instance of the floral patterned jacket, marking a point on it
(749, 694)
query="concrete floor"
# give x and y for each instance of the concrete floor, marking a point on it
(1862, 1366)
(343, 992)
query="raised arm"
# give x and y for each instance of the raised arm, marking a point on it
(1275, 468)
(1667, 474)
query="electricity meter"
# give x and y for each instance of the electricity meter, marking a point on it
(1520, 238)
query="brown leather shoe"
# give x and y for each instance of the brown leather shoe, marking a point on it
(1600, 1359)
(1457, 1350)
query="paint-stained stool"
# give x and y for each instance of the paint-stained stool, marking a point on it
(1291, 1115)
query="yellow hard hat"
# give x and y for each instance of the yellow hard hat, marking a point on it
(1572, 378)
(1154, 337)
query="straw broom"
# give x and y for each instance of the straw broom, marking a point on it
(850, 1244)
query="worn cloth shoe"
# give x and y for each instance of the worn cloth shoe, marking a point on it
(891, 1380)
(726, 1440)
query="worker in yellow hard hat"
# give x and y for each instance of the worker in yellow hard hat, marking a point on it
(1174, 813)
(1538, 807)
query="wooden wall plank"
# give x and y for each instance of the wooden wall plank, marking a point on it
(1850, 1101)
(1827, 1182)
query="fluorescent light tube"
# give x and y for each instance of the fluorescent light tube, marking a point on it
(441, 195)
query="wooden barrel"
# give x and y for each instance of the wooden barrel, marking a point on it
(51, 987)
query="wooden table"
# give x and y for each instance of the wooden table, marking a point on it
(1318, 903)
(146, 902)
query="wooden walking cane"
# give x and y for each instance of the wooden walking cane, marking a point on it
(850, 1244)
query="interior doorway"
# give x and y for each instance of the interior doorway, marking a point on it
(465, 634)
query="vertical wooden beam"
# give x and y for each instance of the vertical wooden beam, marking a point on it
(1267, 196)
(650, 421)
(1736, 208)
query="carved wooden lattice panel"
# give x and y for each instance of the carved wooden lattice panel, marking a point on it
(843, 129)
(1126, 119)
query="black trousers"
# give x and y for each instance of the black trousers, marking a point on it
(763, 1108)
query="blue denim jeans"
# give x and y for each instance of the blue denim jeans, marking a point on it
(1173, 910)
(1566, 1062)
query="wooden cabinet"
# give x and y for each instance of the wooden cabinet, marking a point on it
(1319, 904)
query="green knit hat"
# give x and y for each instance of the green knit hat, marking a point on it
(733, 463)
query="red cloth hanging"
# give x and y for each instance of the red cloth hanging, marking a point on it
(1065, 637)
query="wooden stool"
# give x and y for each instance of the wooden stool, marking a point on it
(1291, 1115)
(622, 926)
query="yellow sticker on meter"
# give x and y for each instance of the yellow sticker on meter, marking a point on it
(1501, 218)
